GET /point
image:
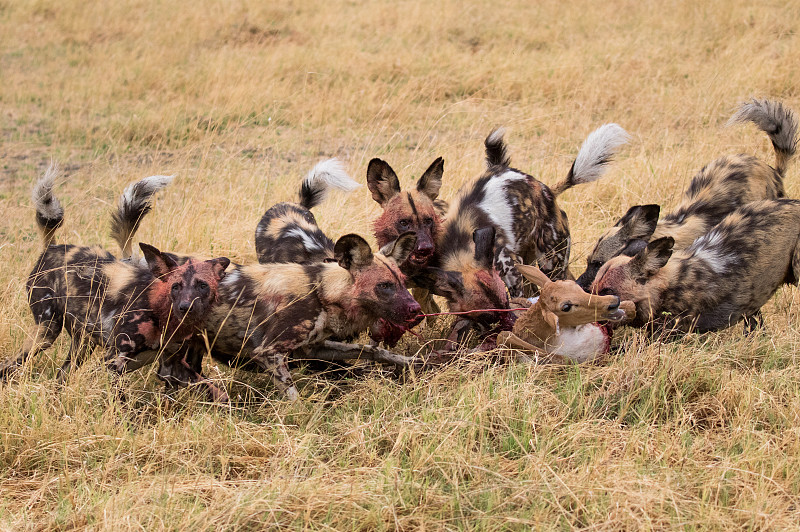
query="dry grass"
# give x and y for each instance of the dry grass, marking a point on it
(240, 99)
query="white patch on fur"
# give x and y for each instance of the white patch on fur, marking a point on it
(581, 343)
(496, 137)
(533, 300)
(309, 243)
(707, 248)
(596, 151)
(46, 204)
(498, 206)
(328, 174)
(142, 191)
(231, 278)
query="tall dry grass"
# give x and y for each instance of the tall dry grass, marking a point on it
(240, 99)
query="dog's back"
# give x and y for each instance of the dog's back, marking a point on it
(288, 232)
(717, 190)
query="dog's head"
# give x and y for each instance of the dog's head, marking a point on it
(378, 288)
(631, 278)
(412, 210)
(470, 282)
(627, 237)
(183, 293)
(565, 304)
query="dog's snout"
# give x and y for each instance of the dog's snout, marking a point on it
(185, 306)
(615, 305)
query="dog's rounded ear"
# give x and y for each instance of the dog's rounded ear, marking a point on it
(652, 258)
(640, 221)
(382, 181)
(160, 264)
(633, 247)
(352, 251)
(401, 247)
(219, 265)
(439, 282)
(431, 181)
(533, 274)
(484, 247)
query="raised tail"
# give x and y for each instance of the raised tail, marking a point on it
(134, 203)
(778, 122)
(49, 213)
(496, 149)
(597, 151)
(320, 179)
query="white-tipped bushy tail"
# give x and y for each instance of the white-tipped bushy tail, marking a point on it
(325, 175)
(134, 203)
(596, 152)
(496, 149)
(49, 213)
(777, 121)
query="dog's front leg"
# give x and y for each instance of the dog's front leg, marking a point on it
(272, 358)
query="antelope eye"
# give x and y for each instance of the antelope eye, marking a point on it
(566, 307)
(606, 292)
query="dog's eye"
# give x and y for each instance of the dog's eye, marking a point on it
(202, 285)
(428, 222)
(176, 288)
(405, 223)
(595, 264)
(566, 307)
(385, 290)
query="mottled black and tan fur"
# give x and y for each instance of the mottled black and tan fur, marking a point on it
(715, 191)
(288, 232)
(527, 225)
(119, 305)
(723, 277)
(267, 311)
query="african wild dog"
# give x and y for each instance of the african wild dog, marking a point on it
(526, 227)
(723, 277)
(267, 311)
(715, 191)
(128, 309)
(288, 232)
(419, 210)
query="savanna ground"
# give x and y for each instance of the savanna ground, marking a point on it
(240, 99)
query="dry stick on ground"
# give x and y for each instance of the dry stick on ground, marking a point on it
(339, 351)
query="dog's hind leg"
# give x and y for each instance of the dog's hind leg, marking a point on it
(41, 339)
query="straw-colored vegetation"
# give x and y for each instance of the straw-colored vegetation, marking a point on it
(240, 99)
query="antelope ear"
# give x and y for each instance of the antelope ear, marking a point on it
(219, 265)
(431, 181)
(533, 274)
(160, 264)
(552, 320)
(352, 251)
(640, 221)
(484, 247)
(401, 247)
(382, 181)
(652, 258)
